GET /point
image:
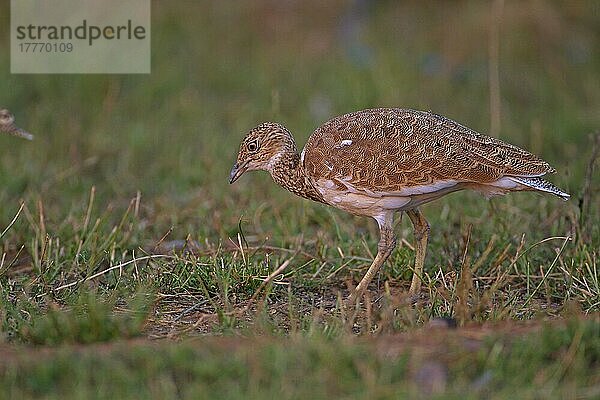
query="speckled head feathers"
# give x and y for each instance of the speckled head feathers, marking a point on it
(6, 118)
(261, 148)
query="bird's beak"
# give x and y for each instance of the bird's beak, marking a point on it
(237, 171)
(15, 131)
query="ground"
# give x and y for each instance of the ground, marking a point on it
(131, 268)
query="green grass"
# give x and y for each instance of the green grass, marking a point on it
(562, 362)
(130, 231)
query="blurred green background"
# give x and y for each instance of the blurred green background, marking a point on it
(221, 67)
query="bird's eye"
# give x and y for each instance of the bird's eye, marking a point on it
(252, 146)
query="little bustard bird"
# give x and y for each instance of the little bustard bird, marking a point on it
(7, 125)
(379, 161)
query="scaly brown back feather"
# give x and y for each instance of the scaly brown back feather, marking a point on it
(388, 149)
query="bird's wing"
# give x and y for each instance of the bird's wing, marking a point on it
(388, 150)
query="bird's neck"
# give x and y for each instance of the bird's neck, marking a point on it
(288, 172)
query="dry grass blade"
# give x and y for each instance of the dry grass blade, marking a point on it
(268, 279)
(545, 276)
(14, 220)
(585, 201)
(465, 284)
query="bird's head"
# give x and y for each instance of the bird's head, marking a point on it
(262, 147)
(6, 119)
(7, 125)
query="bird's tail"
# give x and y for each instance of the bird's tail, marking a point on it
(541, 185)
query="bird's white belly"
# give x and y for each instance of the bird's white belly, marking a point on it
(364, 204)
(358, 202)
(369, 203)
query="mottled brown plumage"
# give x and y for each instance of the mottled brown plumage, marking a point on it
(379, 161)
(7, 125)
(393, 149)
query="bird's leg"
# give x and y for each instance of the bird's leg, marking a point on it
(421, 236)
(387, 243)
